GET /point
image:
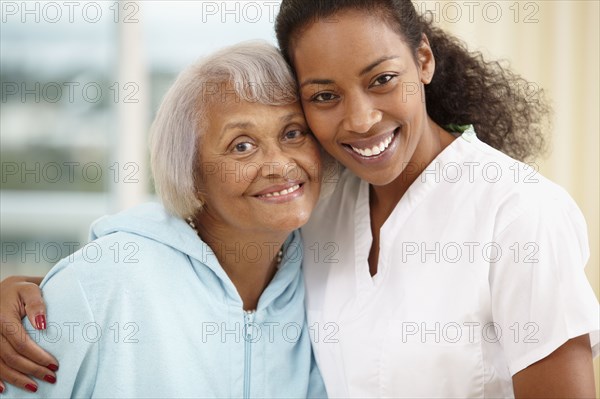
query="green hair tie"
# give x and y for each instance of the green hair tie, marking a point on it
(454, 128)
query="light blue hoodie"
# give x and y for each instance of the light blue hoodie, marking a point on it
(145, 310)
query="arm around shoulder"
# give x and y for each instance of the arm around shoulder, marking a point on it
(65, 337)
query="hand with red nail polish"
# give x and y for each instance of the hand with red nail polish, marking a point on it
(20, 358)
(40, 322)
(31, 387)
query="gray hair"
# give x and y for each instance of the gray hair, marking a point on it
(252, 71)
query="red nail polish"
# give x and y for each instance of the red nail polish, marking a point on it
(40, 322)
(31, 388)
(52, 367)
(1, 389)
(49, 378)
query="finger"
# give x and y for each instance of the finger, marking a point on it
(33, 279)
(15, 335)
(17, 379)
(2, 388)
(35, 308)
(12, 360)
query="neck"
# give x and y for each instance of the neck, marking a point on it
(383, 199)
(250, 259)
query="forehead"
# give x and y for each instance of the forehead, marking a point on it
(233, 106)
(231, 109)
(349, 36)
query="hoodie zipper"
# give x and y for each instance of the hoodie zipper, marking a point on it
(248, 320)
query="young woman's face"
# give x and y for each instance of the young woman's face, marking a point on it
(259, 167)
(362, 92)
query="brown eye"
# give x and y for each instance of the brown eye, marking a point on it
(382, 80)
(323, 97)
(292, 135)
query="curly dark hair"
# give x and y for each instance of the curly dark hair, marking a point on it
(508, 112)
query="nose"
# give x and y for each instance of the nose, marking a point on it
(277, 163)
(360, 114)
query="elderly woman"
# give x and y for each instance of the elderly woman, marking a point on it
(201, 296)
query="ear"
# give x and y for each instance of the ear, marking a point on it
(200, 198)
(425, 61)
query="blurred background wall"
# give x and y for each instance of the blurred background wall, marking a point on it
(81, 81)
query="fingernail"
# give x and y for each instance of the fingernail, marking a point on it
(31, 388)
(40, 322)
(1, 389)
(50, 379)
(52, 367)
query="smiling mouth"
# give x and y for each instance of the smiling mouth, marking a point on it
(280, 193)
(376, 149)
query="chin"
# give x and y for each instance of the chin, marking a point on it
(290, 222)
(376, 178)
(298, 222)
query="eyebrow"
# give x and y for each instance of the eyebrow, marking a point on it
(289, 117)
(248, 125)
(237, 125)
(232, 126)
(317, 82)
(370, 67)
(365, 70)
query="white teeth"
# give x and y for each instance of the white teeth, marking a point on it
(282, 192)
(376, 149)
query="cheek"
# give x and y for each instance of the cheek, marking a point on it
(324, 135)
(215, 189)
(308, 158)
(248, 172)
(406, 102)
(227, 179)
(321, 123)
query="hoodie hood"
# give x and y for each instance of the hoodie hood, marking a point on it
(152, 221)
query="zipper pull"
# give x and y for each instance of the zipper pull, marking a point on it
(249, 323)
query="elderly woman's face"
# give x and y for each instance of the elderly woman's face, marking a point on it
(259, 166)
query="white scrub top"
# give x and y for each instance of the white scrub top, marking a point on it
(480, 274)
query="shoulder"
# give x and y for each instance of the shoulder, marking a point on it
(117, 251)
(116, 262)
(512, 189)
(343, 190)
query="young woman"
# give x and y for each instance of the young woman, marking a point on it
(439, 266)
(201, 297)
(458, 271)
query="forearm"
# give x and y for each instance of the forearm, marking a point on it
(68, 307)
